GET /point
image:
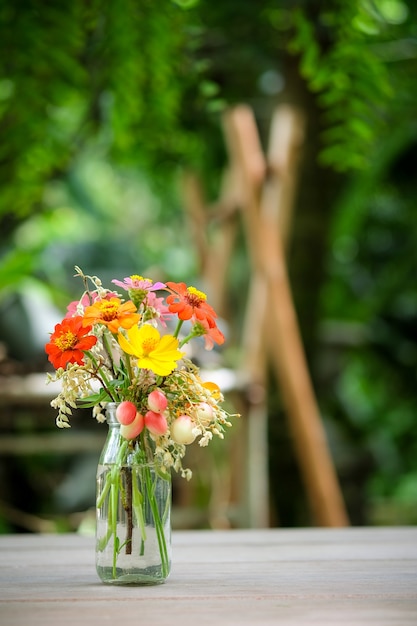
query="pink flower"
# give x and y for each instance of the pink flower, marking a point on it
(162, 312)
(138, 287)
(139, 283)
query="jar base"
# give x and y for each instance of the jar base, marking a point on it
(151, 576)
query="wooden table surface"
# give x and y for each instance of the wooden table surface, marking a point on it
(358, 576)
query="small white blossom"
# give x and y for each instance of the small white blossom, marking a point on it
(100, 417)
(62, 421)
(168, 460)
(186, 473)
(205, 439)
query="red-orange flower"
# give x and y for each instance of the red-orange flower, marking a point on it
(112, 313)
(189, 302)
(69, 341)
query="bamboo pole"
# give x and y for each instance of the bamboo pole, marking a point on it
(284, 341)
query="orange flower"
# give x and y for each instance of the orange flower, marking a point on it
(69, 341)
(189, 302)
(112, 313)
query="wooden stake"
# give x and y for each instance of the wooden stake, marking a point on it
(284, 341)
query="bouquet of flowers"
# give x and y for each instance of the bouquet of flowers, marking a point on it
(114, 349)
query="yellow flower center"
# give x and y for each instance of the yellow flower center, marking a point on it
(195, 297)
(136, 280)
(109, 310)
(66, 341)
(148, 345)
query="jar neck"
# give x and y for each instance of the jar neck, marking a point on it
(111, 418)
(114, 438)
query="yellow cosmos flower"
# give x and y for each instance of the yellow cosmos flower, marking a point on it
(156, 353)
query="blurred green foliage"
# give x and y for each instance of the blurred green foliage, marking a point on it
(102, 104)
(83, 83)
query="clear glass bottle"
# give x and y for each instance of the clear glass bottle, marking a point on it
(133, 513)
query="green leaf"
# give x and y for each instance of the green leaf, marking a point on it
(94, 399)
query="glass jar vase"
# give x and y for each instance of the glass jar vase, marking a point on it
(133, 512)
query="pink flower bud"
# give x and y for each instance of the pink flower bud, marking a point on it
(133, 430)
(204, 413)
(156, 423)
(182, 430)
(126, 412)
(157, 401)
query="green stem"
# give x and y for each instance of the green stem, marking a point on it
(150, 487)
(107, 347)
(99, 374)
(139, 502)
(104, 492)
(85, 281)
(186, 339)
(138, 506)
(113, 506)
(178, 328)
(112, 485)
(129, 368)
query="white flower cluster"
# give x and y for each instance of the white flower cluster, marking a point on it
(76, 383)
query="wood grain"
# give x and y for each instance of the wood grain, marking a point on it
(347, 576)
